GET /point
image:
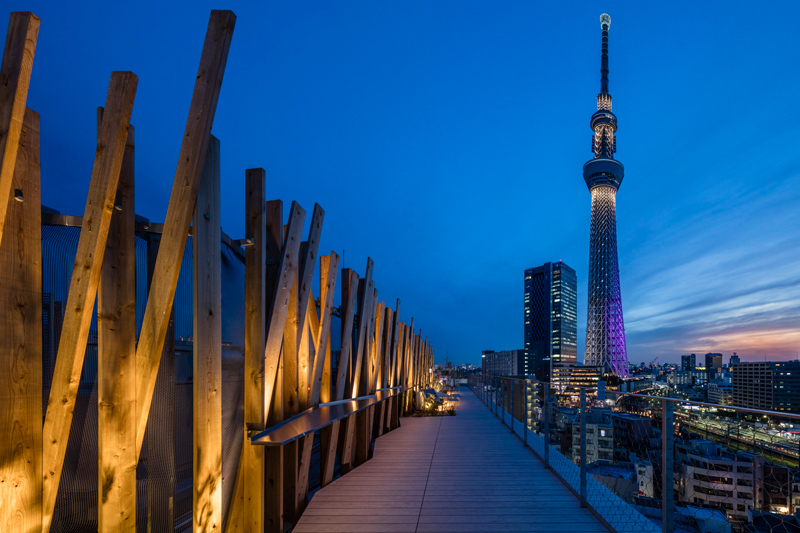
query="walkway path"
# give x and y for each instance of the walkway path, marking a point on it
(466, 473)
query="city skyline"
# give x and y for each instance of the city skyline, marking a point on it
(448, 152)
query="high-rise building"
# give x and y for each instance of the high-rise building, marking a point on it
(734, 360)
(505, 363)
(688, 362)
(605, 327)
(551, 319)
(713, 365)
(770, 386)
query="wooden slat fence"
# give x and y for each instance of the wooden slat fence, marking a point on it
(293, 387)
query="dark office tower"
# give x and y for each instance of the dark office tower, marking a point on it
(551, 317)
(688, 362)
(713, 364)
(605, 328)
(734, 360)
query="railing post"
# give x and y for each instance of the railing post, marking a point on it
(512, 404)
(546, 433)
(503, 399)
(496, 388)
(583, 448)
(525, 416)
(667, 469)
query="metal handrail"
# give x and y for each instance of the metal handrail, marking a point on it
(494, 391)
(316, 418)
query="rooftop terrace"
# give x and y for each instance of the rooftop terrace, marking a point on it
(459, 473)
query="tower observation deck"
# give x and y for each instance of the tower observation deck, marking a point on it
(605, 328)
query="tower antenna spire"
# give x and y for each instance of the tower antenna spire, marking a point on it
(605, 24)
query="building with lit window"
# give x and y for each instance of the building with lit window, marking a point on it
(713, 365)
(771, 386)
(550, 319)
(505, 363)
(688, 362)
(734, 480)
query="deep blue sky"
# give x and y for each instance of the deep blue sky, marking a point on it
(446, 139)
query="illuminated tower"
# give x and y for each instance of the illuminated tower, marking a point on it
(605, 329)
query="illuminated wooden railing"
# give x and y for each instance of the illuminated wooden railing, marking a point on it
(289, 389)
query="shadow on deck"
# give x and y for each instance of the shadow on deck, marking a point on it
(466, 473)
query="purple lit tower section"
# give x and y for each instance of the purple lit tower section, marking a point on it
(605, 328)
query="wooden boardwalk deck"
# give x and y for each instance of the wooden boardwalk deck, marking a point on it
(466, 473)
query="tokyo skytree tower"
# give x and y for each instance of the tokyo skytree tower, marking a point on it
(605, 329)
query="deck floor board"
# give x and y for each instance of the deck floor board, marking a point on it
(466, 473)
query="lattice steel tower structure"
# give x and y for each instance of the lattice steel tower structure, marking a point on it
(605, 328)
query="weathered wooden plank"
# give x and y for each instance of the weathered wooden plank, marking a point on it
(410, 355)
(348, 445)
(329, 436)
(15, 73)
(308, 261)
(192, 156)
(273, 506)
(279, 307)
(363, 436)
(291, 345)
(21, 342)
(347, 311)
(274, 246)
(207, 352)
(85, 279)
(384, 365)
(301, 495)
(247, 504)
(365, 301)
(388, 332)
(392, 380)
(377, 347)
(329, 270)
(291, 465)
(296, 364)
(369, 337)
(116, 360)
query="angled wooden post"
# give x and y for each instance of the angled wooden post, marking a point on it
(350, 282)
(276, 457)
(366, 294)
(85, 279)
(377, 347)
(116, 360)
(347, 311)
(15, 74)
(308, 261)
(274, 249)
(296, 365)
(393, 381)
(279, 307)
(207, 352)
(363, 323)
(388, 328)
(384, 371)
(329, 268)
(183, 198)
(329, 271)
(21, 342)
